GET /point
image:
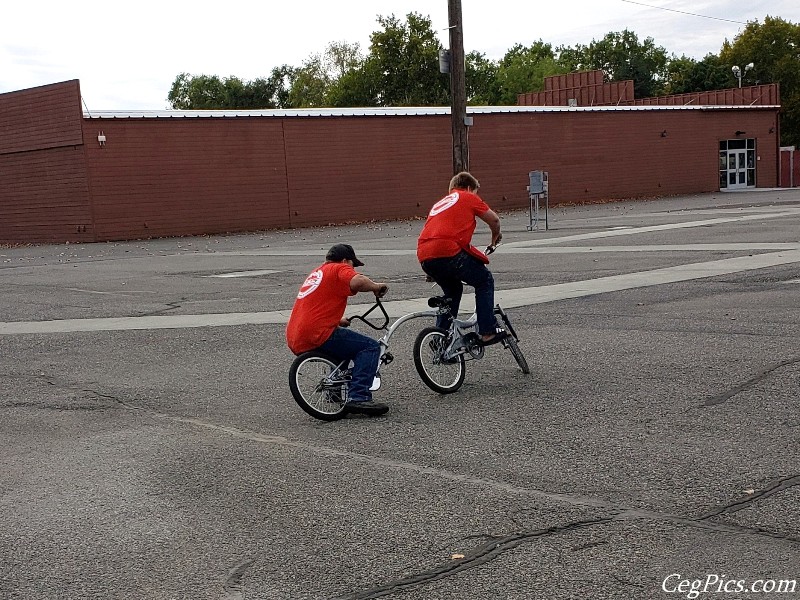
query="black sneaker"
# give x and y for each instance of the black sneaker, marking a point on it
(366, 408)
(499, 335)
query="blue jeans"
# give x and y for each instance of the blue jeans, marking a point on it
(345, 344)
(450, 272)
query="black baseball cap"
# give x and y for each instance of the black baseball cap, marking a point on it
(340, 252)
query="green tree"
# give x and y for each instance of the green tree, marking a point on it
(341, 57)
(523, 69)
(621, 56)
(402, 66)
(196, 92)
(204, 92)
(480, 76)
(686, 75)
(360, 86)
(774, 49)
(276, 88)
(310, 84)
(314, 84)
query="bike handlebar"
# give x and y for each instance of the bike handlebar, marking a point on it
(363, 317)
(491, 248)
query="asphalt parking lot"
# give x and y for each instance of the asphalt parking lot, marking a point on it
(151, 448)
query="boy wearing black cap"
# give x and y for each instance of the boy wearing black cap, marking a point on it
(317, 323)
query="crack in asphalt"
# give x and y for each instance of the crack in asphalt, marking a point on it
(497, 545)
(621, 513)
(61, 404)
(170, 307)
(779, 485)
(478, 556)
(232, 588)
(725, 396)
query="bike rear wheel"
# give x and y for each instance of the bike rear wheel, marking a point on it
(444, 377)
(318, 386)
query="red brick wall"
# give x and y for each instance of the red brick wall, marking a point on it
(361, 168)
(594, 156)
(752, 95)
(173, 176)
(44, 195)
(612, 93)
(181, 176)
(43, 117)
(587, 88)
(790, 168)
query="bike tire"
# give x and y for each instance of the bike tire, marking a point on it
(516, 352)
(506, 321)
(308, 377)
(441, 377)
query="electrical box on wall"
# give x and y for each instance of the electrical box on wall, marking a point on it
(536, 185)
(444, 60)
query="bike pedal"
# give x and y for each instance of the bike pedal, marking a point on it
(387, 358)
(472, 339)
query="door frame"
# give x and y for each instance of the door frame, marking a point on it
(737, 164)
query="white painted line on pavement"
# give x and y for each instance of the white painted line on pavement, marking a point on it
(507, 298)
(733, 247)
(245, 273)
(529, 248)
(651, 228)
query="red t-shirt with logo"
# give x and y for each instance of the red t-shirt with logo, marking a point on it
(450, 225)
(319, 306)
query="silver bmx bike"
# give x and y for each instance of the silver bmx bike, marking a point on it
(319, 383)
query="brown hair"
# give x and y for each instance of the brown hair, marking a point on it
(464, 181)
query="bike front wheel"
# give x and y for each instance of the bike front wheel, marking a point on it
(318, 386)
(512, 342)
(516, 352)
(442, 376)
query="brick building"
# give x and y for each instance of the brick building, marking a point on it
(71, 175)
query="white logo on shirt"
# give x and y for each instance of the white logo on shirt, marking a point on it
(443, 204)
(310, 284)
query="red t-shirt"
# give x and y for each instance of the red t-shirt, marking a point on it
(450, 225)
(319, 306)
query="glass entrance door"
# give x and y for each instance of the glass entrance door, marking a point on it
(737, 164)
(737, 169)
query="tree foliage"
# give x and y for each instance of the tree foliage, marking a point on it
(620, 55)
(480, 75)
(523, 69)
(403, 62)
(313, 84)
(401, 68)
(686, 75)
(204, 92)
(774, 49)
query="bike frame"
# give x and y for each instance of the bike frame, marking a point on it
(458, 344)
(459, 329)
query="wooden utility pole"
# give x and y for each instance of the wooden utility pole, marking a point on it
(458, 88)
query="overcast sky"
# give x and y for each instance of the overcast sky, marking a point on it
(126, 55)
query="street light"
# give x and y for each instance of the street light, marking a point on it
(738, 73)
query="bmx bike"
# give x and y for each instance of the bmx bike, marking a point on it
(319, 383)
